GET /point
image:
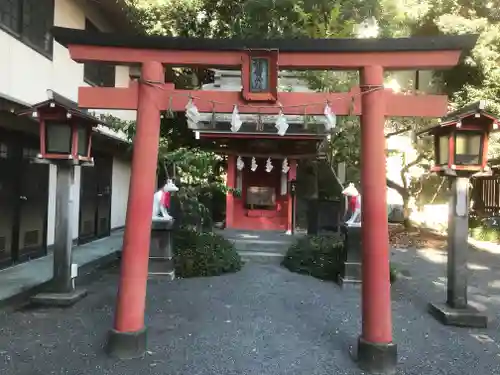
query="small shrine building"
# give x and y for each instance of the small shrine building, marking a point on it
(261, 163)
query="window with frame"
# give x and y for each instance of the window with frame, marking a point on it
(30, 21)
(96, 73)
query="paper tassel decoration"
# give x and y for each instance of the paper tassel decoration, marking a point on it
(253, 167)
(281, 124)
(240, 164)
(284, 184)
(269, 165)
(192, 114)
(285, 167)
(235, 120)
(331, 118)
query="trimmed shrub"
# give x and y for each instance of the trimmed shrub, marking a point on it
(320, 257)
(203, 254)
(317, 256)
(482, 233)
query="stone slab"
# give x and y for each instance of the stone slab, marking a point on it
(59, 299)
(469, 317)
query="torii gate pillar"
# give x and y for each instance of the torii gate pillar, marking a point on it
(127, 339)
(376, 351)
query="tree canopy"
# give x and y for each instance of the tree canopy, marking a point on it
(477, 77)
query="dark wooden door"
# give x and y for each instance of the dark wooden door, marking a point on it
(95, 200)
(104, 176)
(23, 200)
(8, 200)
(33, 204)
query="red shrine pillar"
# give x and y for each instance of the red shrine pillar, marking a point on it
(231, 183)
(128, 338)
(376, 351)
(292, 175)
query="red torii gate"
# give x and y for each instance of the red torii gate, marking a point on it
(150, 95)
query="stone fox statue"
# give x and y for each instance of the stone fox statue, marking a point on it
(161, 201)
(354, 212)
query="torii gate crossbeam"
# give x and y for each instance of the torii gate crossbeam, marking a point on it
(150, 95)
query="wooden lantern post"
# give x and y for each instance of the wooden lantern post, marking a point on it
(65, 141)
(461, 150)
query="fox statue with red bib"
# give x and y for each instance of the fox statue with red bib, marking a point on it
(354, 204)
(161, 202)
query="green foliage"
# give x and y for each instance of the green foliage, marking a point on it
(481, 233)
(477, 77)
(318, 256)
(203, 254)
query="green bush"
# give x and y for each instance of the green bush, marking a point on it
(482, 233)
(318, 256)
(203, 254)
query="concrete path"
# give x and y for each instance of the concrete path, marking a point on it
(21, 280)
(263, 320)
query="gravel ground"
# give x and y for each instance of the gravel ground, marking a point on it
(263, 320)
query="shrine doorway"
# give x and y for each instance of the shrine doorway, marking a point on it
(262, 204)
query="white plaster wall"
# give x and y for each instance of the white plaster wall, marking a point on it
(25, 75)
(119, 194)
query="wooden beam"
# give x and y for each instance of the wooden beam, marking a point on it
(294, 103)
(256, 135)
(265, 155)
(287, 60)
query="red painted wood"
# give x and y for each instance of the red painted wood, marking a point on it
(258, 219)
(484, 158)
(395, 104)
(129, 313)
(260, 136)
(230, 183)
(287, 60)
(376, 288)
(292, 175)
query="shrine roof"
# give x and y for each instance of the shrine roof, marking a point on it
(469, 110)
(67, 36)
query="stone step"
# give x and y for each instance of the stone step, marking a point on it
(262, 246)
(261, 257)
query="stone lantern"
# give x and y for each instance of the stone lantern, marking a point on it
(461, 149)
(65, 141)
(461, 141)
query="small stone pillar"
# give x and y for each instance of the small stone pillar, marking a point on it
(350, 269)
(161, 256)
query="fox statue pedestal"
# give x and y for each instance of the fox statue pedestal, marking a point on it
(161, 256)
